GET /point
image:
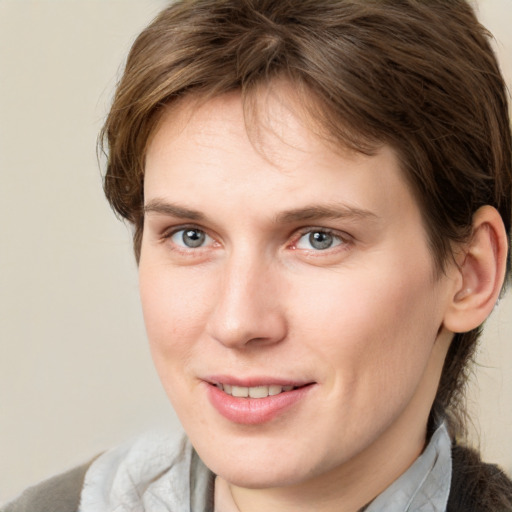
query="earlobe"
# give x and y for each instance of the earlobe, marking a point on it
(481, 272)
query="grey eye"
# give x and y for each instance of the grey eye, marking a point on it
(190, 238)
(318, 240)
(193, 237)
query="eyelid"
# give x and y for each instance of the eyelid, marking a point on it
(169, 232)
(343, 236)
(172, 230)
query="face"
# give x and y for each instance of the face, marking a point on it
(289, 295)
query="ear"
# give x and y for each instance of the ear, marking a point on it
(480, 273)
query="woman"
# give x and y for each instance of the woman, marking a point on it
(321, 201)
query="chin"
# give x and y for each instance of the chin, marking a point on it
(250, 477)
(258, 467)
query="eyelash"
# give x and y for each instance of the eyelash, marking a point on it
(169, 234)
(341, 239)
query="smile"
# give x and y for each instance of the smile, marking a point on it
(253, 405)
(255, 391)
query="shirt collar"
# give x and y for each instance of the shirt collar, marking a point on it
(425, 486)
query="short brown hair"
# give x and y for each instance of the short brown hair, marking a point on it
(419, 76)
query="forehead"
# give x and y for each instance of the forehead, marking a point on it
(277, 122)
(272, 151)
(276, 111)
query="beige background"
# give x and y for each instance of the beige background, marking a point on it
(75, 373)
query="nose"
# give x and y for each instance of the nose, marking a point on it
(248, 309)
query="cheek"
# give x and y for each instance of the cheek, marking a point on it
(372, 325)
(174, 311)
(174, 314)
(371, 336)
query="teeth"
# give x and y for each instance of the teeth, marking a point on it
(253, 392)
(258, 392)
(239, 391)
(274, 390)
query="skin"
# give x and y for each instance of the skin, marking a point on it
(363, 319)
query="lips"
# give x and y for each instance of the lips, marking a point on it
(256, 402)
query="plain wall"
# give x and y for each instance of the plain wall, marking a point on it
(75, 372)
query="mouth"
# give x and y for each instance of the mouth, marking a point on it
(258, 402)
(255, 391)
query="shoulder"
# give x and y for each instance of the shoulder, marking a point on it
(138, 475)
(476, 486)
(60, 493)
(158, 467)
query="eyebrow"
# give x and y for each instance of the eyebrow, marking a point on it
(173, 210)
(307, 213)
(316, 212)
